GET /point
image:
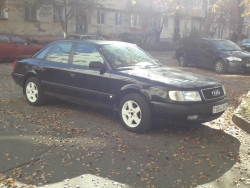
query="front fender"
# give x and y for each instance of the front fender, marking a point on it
(133, 88)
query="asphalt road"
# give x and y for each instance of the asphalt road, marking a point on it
(63, 145)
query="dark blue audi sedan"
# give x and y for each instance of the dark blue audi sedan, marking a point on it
(122, 78)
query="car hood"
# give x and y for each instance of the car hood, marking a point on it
(245, 44)
(240, 54)
(174, 77)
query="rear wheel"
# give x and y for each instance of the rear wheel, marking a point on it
(220, 67)
(135, 113)
(34, 92)
(182, 60)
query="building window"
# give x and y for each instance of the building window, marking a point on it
(58, 14)
(31, 13)
(101, 18)
(118, 18)
(165, 23)
(135, 20)
(197, 4)
(3, 13)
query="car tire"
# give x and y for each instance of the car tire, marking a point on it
(220, 67)
(135, 113)
(33, 92)
(182, 61)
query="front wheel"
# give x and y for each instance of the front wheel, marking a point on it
(220, 67)
(182, 60)
(135, 113)
(33, 92)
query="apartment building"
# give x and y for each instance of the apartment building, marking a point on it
(113, 18)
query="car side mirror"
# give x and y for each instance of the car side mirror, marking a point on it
(96, 65)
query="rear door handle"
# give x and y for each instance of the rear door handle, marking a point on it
(72, 74)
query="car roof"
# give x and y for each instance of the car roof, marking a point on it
(96, 42)
(8, 34)
(212, 39)
(81, 35)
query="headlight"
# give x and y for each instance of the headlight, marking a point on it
(184, 96)
(232, 58)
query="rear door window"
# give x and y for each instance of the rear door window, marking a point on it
(205, 45)
(4, 39)
(192, 44)
(60, 52)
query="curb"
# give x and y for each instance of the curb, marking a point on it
(240, 121)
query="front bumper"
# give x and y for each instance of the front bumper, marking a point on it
(18, 78)
(238, 66)
(245, 48)
(180, 112)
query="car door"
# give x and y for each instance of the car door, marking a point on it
(89, 85)
(191, 50)
(206, 54)
(53, 69)
(20, 45)
(6, 47)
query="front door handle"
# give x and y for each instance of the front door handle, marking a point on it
(72, 74)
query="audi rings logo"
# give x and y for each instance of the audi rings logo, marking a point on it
(216, 93)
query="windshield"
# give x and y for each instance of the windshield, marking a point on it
(126, 55)
(226, 45)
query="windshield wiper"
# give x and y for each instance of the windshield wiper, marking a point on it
(150, 66)
(141, 66)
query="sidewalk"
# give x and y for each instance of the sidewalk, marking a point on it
(241, 116)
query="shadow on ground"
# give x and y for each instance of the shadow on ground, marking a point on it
(69, 141)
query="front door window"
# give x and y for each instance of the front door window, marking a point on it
(85, 53)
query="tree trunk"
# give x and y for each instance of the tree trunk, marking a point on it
(240, 23)
(209, 18)
(176, 36)
(86, 23)
(222, 30)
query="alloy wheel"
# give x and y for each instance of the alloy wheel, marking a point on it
(32, 92)
(131, 114)
(182, 61)
(219, 67)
